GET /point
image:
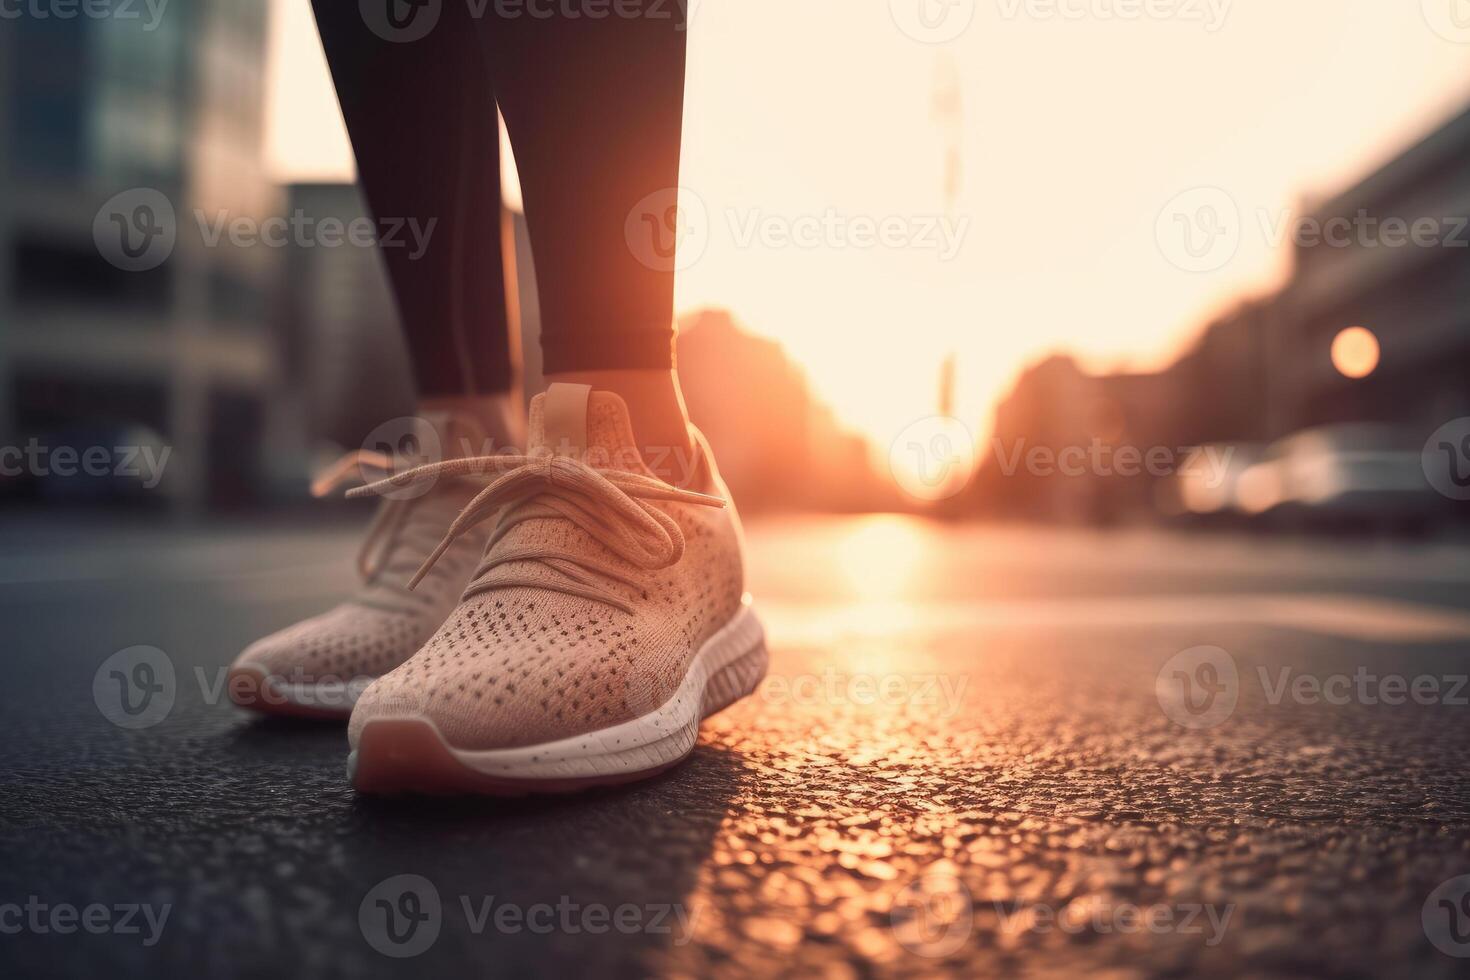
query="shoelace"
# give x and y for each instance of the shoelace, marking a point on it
(613, 506)
(391, 526)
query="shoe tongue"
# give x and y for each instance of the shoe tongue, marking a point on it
(593, 426)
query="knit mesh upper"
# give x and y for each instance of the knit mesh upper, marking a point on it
(383, 624)
(521, 664)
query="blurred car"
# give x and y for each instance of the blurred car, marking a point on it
(1205, 490)
(1365, 476)
(1357, 476)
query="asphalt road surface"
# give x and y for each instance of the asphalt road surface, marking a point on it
(995, 751)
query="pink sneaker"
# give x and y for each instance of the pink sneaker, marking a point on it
(606, 619)
(319, 667)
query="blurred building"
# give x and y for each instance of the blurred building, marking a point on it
(1054, 451)
(1415, 297)
(778, 447)
(343, 352)
(1265, 371)
(96, 107)
(1220, 387)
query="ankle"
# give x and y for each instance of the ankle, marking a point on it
(502, 415)
(655, 406)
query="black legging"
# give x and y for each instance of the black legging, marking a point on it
(593, 101)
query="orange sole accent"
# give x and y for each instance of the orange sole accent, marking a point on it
(396, 756)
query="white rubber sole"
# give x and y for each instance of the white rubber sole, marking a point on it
(407, 753)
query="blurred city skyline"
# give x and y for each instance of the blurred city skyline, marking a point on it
(1048, 202)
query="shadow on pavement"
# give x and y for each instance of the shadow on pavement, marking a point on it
(597, 880)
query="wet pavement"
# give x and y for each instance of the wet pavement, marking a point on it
(992, 751)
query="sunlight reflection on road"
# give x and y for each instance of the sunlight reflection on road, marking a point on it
(958, 758)
(881, 555)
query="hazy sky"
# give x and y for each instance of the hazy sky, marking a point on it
(1076, 127)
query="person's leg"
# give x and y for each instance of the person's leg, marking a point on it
(423, 126)
(595, 107)
(422, 120)
(608, 615)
